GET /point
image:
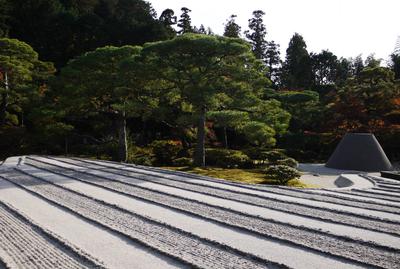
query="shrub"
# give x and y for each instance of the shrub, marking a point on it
(165, 151)
(282, 173)
(273, 156)
(141, 156)
(288, 162)
(262, 155)
(183, 161)
(227, 158)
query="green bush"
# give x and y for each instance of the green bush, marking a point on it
(165, 151)
(183, 161)
(282, 173)
(262, 156)
(227, 158)
(140, 156)
(288, 162)
(273, 156)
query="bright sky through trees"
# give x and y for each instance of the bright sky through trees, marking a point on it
(345, 27)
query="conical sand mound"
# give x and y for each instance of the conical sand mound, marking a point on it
(361, 152)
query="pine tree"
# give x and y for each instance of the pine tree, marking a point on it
(185, 22)
(232, 29)
(168, 19)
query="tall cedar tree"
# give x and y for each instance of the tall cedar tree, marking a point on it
(273, 61)
(185, 22)
(257, 34)
(395, 64)
(297, 68)
(232, 29)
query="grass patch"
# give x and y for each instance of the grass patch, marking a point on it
(251, 176)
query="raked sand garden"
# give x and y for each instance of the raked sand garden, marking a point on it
(78, 213)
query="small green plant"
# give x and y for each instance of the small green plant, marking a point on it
(289, 162)
(282, 173)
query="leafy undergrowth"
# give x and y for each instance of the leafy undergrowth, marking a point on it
(252, 176)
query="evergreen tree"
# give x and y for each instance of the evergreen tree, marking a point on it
(185, 22)
(20, 69)
(372, 62)
(200, 30)
(324, 65)
(5, 7)
(110, 81)
(62, 29)
(357, 65)
(205, 73)
(344, 71)
(395, 64)
(297, 69)
(257, 34)
(232, 29)
(273, 61)
(168, 19)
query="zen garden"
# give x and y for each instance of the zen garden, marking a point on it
(136, 139)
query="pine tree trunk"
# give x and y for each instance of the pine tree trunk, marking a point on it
(199, 158)
(225, 138)
(4, 101)
(122, 141)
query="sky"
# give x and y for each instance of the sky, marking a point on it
(345, 27)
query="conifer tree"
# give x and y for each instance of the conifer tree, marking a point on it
(232, 29)
(185, 22)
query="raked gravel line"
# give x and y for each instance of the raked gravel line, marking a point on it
(388, 187)
(183, 246)
(279, 191)
(326, 214)
(218, 203)
(378, 194)
(356, 250)
(353, 193)
(26, 245)
(116, 250)
(391, 191)
(312, 194)
(296, 193)
(208, 180)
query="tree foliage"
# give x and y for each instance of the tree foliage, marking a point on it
(297, 68)
(60, 30)
(232, 29)
(110, 81)
(204, 73)
(367, 103)
(22, 76)
(257, 34)
(185, 22)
